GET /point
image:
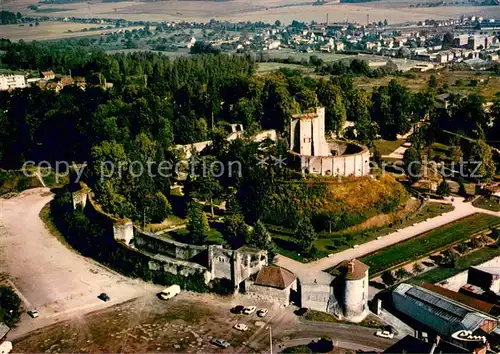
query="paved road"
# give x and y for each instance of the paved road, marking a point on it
(49, 276)
(288, 330)
(314, 270)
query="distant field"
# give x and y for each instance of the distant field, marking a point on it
(432, 240)
(327, 57)
(457, 81)
(264, 68)
(49, 30)
(395, 11)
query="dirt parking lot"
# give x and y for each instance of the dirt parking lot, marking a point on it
(185, 323)
(48, 275)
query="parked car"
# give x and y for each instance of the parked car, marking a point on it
(262, 312)
(33, 313)
(170, 292)
(241, 327)
(249, 310)
(237, 309)
(220, 343)
(384, 334)
(104, 297)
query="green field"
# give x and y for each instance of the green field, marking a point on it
(428, 242)
(441, 273)
(385, 147)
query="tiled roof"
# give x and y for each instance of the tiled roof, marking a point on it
(461, 298)
(275, 277)
(353, 270)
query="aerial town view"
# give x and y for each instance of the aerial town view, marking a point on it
(250, 176)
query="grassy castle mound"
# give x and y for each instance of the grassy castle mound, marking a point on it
(332, 203)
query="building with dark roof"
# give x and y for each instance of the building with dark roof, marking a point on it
(410, 345)
(439, 313)
(477, 304)
(274, 282)
(487, 278)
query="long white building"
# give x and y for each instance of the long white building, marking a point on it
(8, 82)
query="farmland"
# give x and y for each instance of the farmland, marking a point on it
(428, 242)
(50, 30)
(245, 10)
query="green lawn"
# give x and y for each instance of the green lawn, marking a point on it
(338, 241)
(182, 235)
(385, 147)
(428, 242)
(485, 203)
(441, 273)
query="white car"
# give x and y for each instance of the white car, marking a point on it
(241, 327)
(33, 313)
(385, 334)
(262, 312)
(249, 310)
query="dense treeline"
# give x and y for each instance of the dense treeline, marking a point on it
(8, 18)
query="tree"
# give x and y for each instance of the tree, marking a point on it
(432, 82)
(388, 278)
(448, 40)
(197, 224)
(401, 273)
(412, 164)
(277, 23)
(330, 96)
(386, 23)
(235, 230)
(392, 108)
(443, 188)
(305, 235)
(10, 306)
(157, 207)
(417, 268)
(482, 154)
(259, 237)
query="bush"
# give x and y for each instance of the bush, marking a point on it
(388, 278)
(10, 306)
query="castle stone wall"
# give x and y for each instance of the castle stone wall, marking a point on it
(161, 244)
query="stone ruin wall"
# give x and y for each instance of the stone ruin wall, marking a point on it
(166, 255)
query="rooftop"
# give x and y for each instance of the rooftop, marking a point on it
(353, 269)
(4, 329)
(489, 270)
(275, 277)
(441, 306)
(467, 300)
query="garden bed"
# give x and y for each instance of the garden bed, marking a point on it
(428, 242)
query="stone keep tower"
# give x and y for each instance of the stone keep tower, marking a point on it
(355, 294)
(308, 134)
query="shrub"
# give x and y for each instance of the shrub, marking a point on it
(10, 306)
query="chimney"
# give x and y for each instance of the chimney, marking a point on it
(350, 267)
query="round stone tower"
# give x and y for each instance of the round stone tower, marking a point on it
(355, 292)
